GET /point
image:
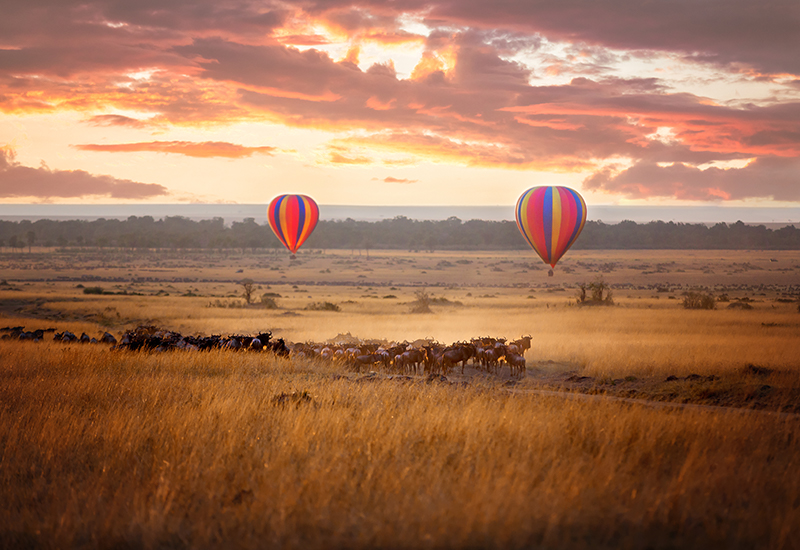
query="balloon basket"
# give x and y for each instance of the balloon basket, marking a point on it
(292, 257)
(550, 273)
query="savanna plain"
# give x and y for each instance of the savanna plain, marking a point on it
(638, 423)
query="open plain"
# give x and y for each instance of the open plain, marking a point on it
(593, 447)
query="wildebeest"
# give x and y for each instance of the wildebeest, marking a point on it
(516, 363)
(459, 353)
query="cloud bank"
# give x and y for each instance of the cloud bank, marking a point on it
(643, 96)
(18, 181)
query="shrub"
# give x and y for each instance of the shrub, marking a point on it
(597, 293)
(93, 290)
(323, 306)
(698, 300)
(423, 302)
(268, 303)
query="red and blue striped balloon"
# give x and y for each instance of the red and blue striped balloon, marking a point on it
(292, 219)
(551, 218)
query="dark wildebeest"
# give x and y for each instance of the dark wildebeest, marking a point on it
(460, 353)
(410, 359)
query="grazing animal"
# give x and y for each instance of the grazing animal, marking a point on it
(523, 343)
(516, 363)
(461, 353)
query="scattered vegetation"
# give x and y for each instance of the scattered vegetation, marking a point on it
(323, 306)
(698, 300)
(93, 290)
(248, 287)
(268, 303)
(422, 302)
(230, 304)
(597, 293)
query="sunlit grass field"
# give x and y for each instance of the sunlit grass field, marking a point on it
(160, 450)
(102, 448)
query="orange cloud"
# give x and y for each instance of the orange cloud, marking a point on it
(375, 103)
(442, 149)
(205, 149)
(390, 179)
(429, 63)
(338, 158)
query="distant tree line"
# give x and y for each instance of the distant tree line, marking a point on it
(177, 232)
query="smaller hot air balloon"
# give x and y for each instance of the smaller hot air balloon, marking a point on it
(550, 218)
(292, 219)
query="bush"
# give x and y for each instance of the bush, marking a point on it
(233, 304)
(93, 290)
(597, 293)
(698, 300)
(323, 306)
(423, 302)
(268, 302)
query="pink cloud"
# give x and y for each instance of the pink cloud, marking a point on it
(771, 178)
(118, 120)
(21, 181)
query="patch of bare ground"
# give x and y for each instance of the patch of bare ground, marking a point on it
(749, 387)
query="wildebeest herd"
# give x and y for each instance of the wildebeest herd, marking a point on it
(423, 356)
(486, 353)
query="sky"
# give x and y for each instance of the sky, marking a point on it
(412, 102)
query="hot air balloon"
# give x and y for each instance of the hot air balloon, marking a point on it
(292, 219)
(550, 218)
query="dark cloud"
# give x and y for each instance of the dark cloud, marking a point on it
(204, 149)
(717, 31)
(764, 178)
(21, 181)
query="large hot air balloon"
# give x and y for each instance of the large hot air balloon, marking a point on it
(292, 218)
(550, 219)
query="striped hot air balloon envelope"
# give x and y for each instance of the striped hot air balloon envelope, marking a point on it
(292, 219)
(550, 219)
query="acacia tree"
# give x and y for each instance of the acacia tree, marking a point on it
(31, 239)
(595, 293)
(248, 287)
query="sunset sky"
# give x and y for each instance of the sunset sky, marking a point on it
(400, 101)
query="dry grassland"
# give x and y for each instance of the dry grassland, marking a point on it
(108, 449)
(149, 451)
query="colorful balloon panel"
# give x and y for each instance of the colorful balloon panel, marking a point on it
(292, 219)
(550, 218)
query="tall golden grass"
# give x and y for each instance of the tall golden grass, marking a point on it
(109, 449)
(631, 338)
